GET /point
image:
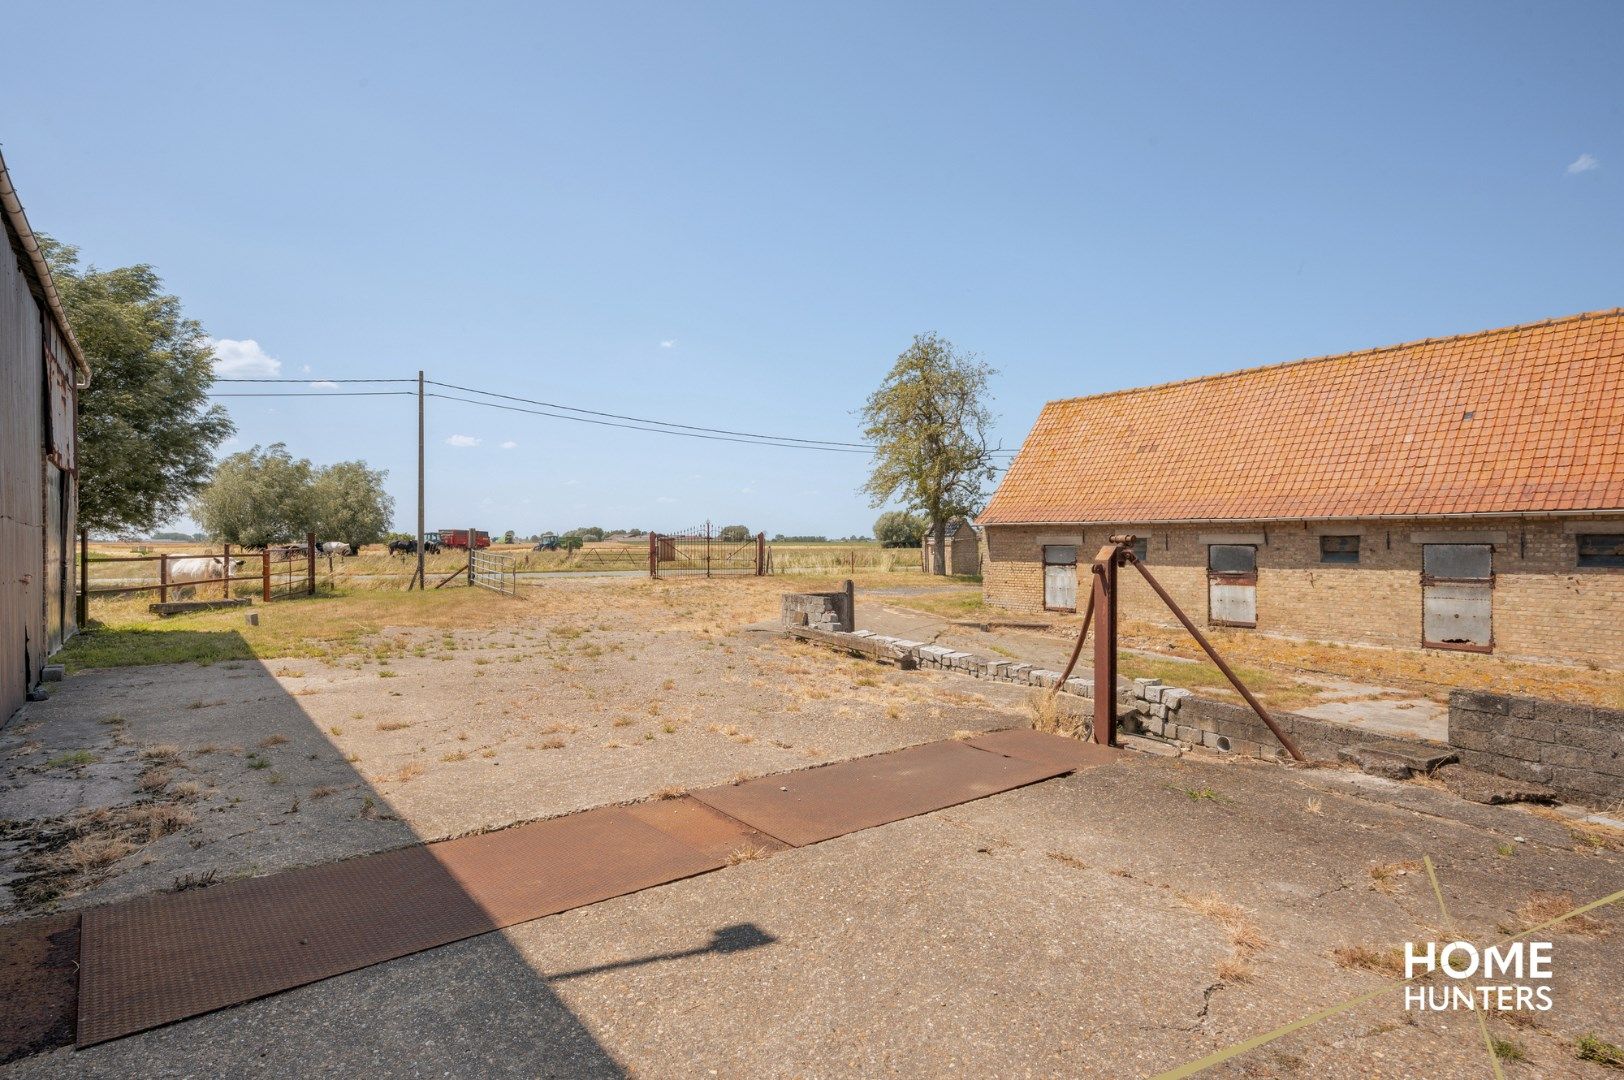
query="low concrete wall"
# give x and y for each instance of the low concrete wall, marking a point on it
(1146, 707)
(1577, 750)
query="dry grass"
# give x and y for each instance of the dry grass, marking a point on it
(1385, 877)
(551, 744)
(1388, 962)
(746, 854)
(393, 725)
(675, 791)
(272, 740)
(154, 780)
(1068, 860)
(322, 792)
(161, 752)
(1542, 907)
(409, 772)
(1314, 806)
(1233, 969)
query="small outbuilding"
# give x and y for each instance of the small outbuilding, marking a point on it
(962, 548)
(1462, 493)
(41, 373)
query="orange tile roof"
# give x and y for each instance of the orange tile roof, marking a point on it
(1526, 419)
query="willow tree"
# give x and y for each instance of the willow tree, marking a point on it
(928, 422)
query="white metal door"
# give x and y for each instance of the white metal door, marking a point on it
(1457, 596)
(1060, 577)
(1232, 584)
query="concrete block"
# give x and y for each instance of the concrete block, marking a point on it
(1154, 693)
(1480, 702)
(1522, 708)
(1173, 697)
(1141, 687)
(53, 673)
(1080, 686)
(1189, 734)
(1564, 715)
(1158, 710)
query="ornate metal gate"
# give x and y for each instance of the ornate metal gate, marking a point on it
(701, 552)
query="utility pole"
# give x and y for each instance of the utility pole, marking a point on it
(422, 583)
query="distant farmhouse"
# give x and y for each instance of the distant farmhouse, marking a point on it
(41, 373)
(1457, 493)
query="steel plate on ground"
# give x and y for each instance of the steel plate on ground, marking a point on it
(703, 828)
(164, 958)
(1044, 748)
(39, 980)
(818, 804)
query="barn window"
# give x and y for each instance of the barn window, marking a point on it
(1601, 549)
(1339, 549)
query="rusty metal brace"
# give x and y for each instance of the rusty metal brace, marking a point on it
(1102, 601)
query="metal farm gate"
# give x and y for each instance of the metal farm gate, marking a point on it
(493, 571)
(700, 552)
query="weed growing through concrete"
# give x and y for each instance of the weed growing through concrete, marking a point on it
(1388, 962)
(1542, 907)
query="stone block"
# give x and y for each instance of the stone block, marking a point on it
(1563, 714)
(1158, 710)
(1174, 697)
(1141, 687)
(1153, 693)
(1080, 686)
(1476, 701)
(1522, 708)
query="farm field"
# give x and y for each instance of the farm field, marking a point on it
(185, 752)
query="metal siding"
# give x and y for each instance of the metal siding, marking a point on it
(1233, 603)
(1458, 615)
(22, 498)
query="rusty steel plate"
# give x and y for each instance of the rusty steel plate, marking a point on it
(39, 983)
(161, 959)
(703, 828)
(818, 804)
(1044, 748)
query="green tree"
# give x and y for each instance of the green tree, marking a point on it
(507, 537)
(348, 503)
(734, 534)
(928, 422)
(898, 528)
(258, 497)
(571, 541)
(147, 432)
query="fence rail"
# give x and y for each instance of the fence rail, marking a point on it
(273, 572)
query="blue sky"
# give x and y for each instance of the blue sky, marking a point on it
(737, 215)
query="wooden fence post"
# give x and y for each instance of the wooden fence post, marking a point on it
(225, 550)
(265, 574)
(310, 564)
(163, 578)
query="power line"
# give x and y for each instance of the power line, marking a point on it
(341, 393)
(644, 419)
(316, 382)
(633, 423)
(756, 441)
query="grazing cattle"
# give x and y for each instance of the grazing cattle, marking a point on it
(286, 552)
(334, 547)
(403, 547)
(198, 569)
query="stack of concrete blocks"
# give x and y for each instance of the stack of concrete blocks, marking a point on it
(1155, 708)
(818, 611)
(1574, 748)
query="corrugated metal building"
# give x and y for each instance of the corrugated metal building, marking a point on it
(41, 373)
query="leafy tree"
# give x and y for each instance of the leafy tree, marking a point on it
(571, 541)
(349, 503)
(147, 432)
(898, 528)
(257, 497)
(928, 422)
(734, 534)
(507, 537)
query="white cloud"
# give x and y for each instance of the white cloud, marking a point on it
(462, 440)
(305, 370)
(571, 483)
(323, 384)
(671, 343)
(243, 360)
(665, 499)
(510, 445)
(1583, 163)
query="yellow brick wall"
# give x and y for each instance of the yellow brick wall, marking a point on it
(1544, 605)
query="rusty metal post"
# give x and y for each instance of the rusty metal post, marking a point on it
(163, 578)
(1212, 654)
(653, 555)
(225, 570)
(851, 604)
(81, 606)
(761, 553)
(1103, 601)
(310, 564)
(707, 549)
(265, 574)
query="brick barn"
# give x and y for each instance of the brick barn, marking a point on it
(1457, 493)
(41, 373)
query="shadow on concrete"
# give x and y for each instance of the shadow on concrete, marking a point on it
(474, 1005)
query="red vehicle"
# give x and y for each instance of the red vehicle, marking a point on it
(458, 538)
